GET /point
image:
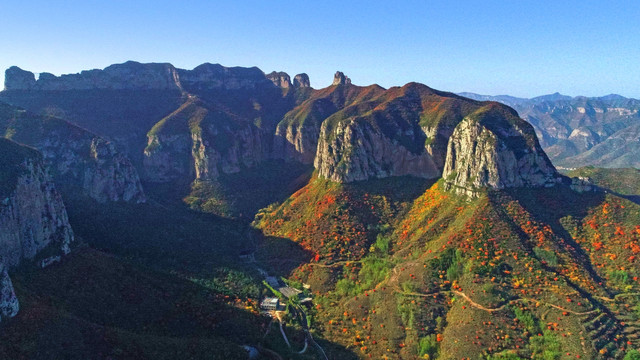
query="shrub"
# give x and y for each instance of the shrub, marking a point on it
(632, 355)
(428, 345)
(546, 255)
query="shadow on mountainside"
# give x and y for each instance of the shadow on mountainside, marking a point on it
(93, 305)
(239, 195)
(549, 206)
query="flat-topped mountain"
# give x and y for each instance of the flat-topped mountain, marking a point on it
(579, 131)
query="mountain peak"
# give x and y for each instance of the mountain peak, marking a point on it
(280, 79)
(301, 81)
(340, 78)
(493, 147)
(17, 79)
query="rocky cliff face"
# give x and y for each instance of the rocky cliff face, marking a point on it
(110, 175)
(301, 81)
(201, 142)
(134, 75)
(215, 76)
(494, 148)
(130, 75)
(32, 215)
(296, 136)
(33, 219)
(232, 118)
(400, 131)
(280, 79)
(355, 151)
(9, 305)
(75, 156)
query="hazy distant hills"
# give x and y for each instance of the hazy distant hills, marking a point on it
(580, 131)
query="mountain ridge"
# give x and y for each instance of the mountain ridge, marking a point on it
(581, 131)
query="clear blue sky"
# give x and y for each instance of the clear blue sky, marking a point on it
(521, 48)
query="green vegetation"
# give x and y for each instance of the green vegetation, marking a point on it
(624, 181)
(632, 355)
(93, 303)
(547, 256)
(428, 347)
(244, 193)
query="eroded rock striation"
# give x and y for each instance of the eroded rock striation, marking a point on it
(494, 148)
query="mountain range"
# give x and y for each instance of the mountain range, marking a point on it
(581, 131)
(164, 204)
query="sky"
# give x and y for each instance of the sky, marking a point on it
(520, 48)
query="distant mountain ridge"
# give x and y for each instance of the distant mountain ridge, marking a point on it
(198, 125)
(581, 131)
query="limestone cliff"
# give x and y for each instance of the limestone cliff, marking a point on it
(200, 141)
(400, 131)
(32, 215)
(356, 150)
(76, 156)
(494, 148)
(110, 176)
(33, 219)
(296, 136)
(130, 75)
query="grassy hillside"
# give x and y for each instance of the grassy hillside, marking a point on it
(543, 274)
(624, 181)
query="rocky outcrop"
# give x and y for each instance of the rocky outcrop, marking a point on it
(582, 184)
(33, 219)
(18, 79)
(280, 79)
(202, 142)
(110, 175)
(357, 151)
(301, 81)
(400, 131)
(32, 215)
(9, 305)
(75, 156)
(341, 79)
(494, 148)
